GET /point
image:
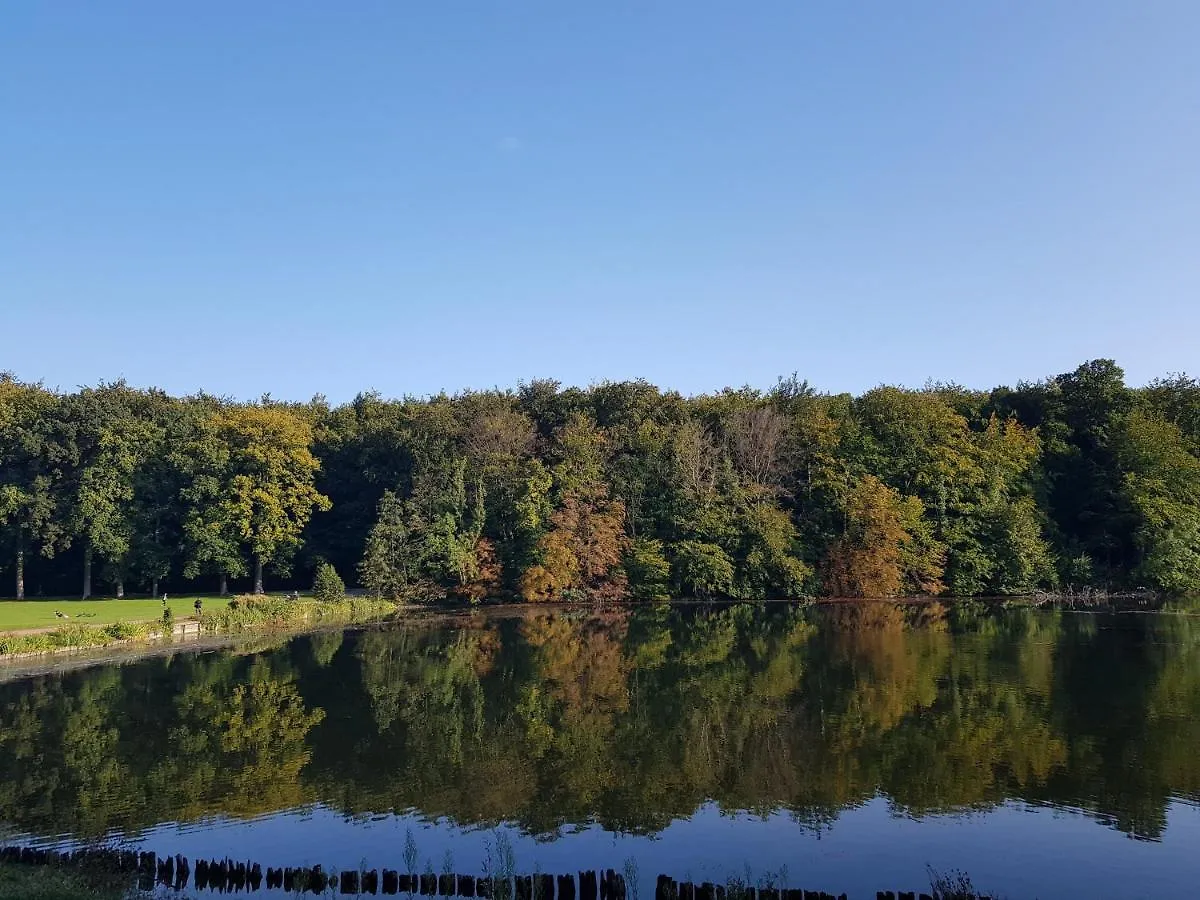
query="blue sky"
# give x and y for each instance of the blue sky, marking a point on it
(301, 197)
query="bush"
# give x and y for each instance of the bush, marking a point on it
(127, 631)
(327, 585)
(702, 570)
(648, 570)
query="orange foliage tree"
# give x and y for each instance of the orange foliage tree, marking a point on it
(581, 553)
(887, 548)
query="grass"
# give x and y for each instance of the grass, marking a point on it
(19, 882)
(18, 615)
(77, 637)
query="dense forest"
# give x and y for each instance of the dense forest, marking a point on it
(621, 491)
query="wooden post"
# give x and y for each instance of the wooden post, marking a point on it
(566, 887)
(202, 875)
(446, 885)
(466, 885)
(182, 871)
(587, 886)
(391, 881)
(318, 880)
(166, 871)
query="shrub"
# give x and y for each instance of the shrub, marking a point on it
(702, 570)
(327, 585)
(126, 631)
(648, 570)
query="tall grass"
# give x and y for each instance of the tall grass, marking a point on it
(75, 637)
(254, 613)
(244, 614)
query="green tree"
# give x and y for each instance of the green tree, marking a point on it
(115, 433)
(1162, 482)
(701, 570)
(212, 539)
(391, 560)
(256, 485)
(648, 570)
(33, 468)
(328, 586)
(769, 564)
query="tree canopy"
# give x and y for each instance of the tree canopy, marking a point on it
(618, 492)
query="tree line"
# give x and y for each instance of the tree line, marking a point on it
(620, 491)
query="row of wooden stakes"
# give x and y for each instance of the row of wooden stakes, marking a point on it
(230, 876)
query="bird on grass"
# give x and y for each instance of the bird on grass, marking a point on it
(60, 615)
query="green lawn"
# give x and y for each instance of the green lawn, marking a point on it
(19, 614)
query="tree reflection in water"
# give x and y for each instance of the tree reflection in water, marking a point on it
(629, 717)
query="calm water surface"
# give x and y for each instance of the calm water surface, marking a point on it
(1048, 754)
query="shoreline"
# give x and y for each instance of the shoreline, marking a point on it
(255, 617)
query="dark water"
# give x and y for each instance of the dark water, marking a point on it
(1048, 754)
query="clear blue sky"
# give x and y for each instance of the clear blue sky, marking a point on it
(302, 197)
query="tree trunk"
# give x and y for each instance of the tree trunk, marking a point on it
(120, 589)
(20, 565)
(87, 572)
(224, 585)
(258, 582)
(154, 588)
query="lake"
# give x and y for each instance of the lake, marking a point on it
(842, 748)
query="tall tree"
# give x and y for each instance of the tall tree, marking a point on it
(33, 464)
(390, 563)
(1162, 484)
(887, 548)
(255, 484)
(115, 432)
